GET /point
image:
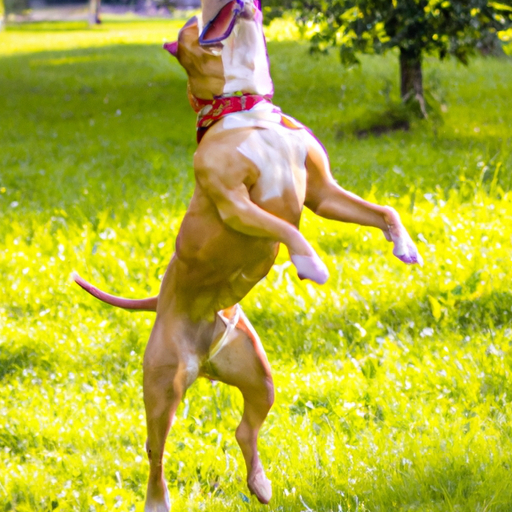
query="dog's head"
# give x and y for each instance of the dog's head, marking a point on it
(227, 53)
(218, 18)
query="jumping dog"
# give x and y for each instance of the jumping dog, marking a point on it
(255, 168)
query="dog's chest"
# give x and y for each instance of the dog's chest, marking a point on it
(279, 155)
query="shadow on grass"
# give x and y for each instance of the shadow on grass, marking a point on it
(112, 121)
(394, 118)
(14, 360)
(115, 122)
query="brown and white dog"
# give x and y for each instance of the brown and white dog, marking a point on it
(255, 169)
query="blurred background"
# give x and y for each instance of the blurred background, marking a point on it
(74, 10)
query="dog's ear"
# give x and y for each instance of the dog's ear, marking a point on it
(220, 26)
(172, 48)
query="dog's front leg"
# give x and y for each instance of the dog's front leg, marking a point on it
(237, 211)
(327, 199)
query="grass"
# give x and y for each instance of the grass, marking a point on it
(393, 383)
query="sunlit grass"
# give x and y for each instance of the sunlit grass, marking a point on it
(393, 383)
(53, 36)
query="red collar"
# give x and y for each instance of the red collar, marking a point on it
(210, 111)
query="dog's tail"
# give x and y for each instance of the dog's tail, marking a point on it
(148, 304)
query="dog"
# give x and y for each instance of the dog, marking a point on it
(255, 168)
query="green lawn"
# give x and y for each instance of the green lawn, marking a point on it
(393, 383)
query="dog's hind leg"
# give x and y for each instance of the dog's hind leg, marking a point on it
(241, 361)
(327, 199)
(170, 366)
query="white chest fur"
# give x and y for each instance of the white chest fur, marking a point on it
(279, 154)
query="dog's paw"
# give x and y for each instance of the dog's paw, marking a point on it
(403, 246)
(157, 507)
(157, 498)
(310, 267)
(405, 249)
(260, 486)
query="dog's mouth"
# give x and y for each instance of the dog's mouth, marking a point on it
(211, 8)
(220, 26)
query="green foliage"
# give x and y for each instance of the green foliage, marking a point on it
(393, 383)
(416, 27)
(436, 27)
(13, 6)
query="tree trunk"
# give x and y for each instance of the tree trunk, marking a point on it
(490, 45)
(94, 12)
(3, 15)
(411, 80)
